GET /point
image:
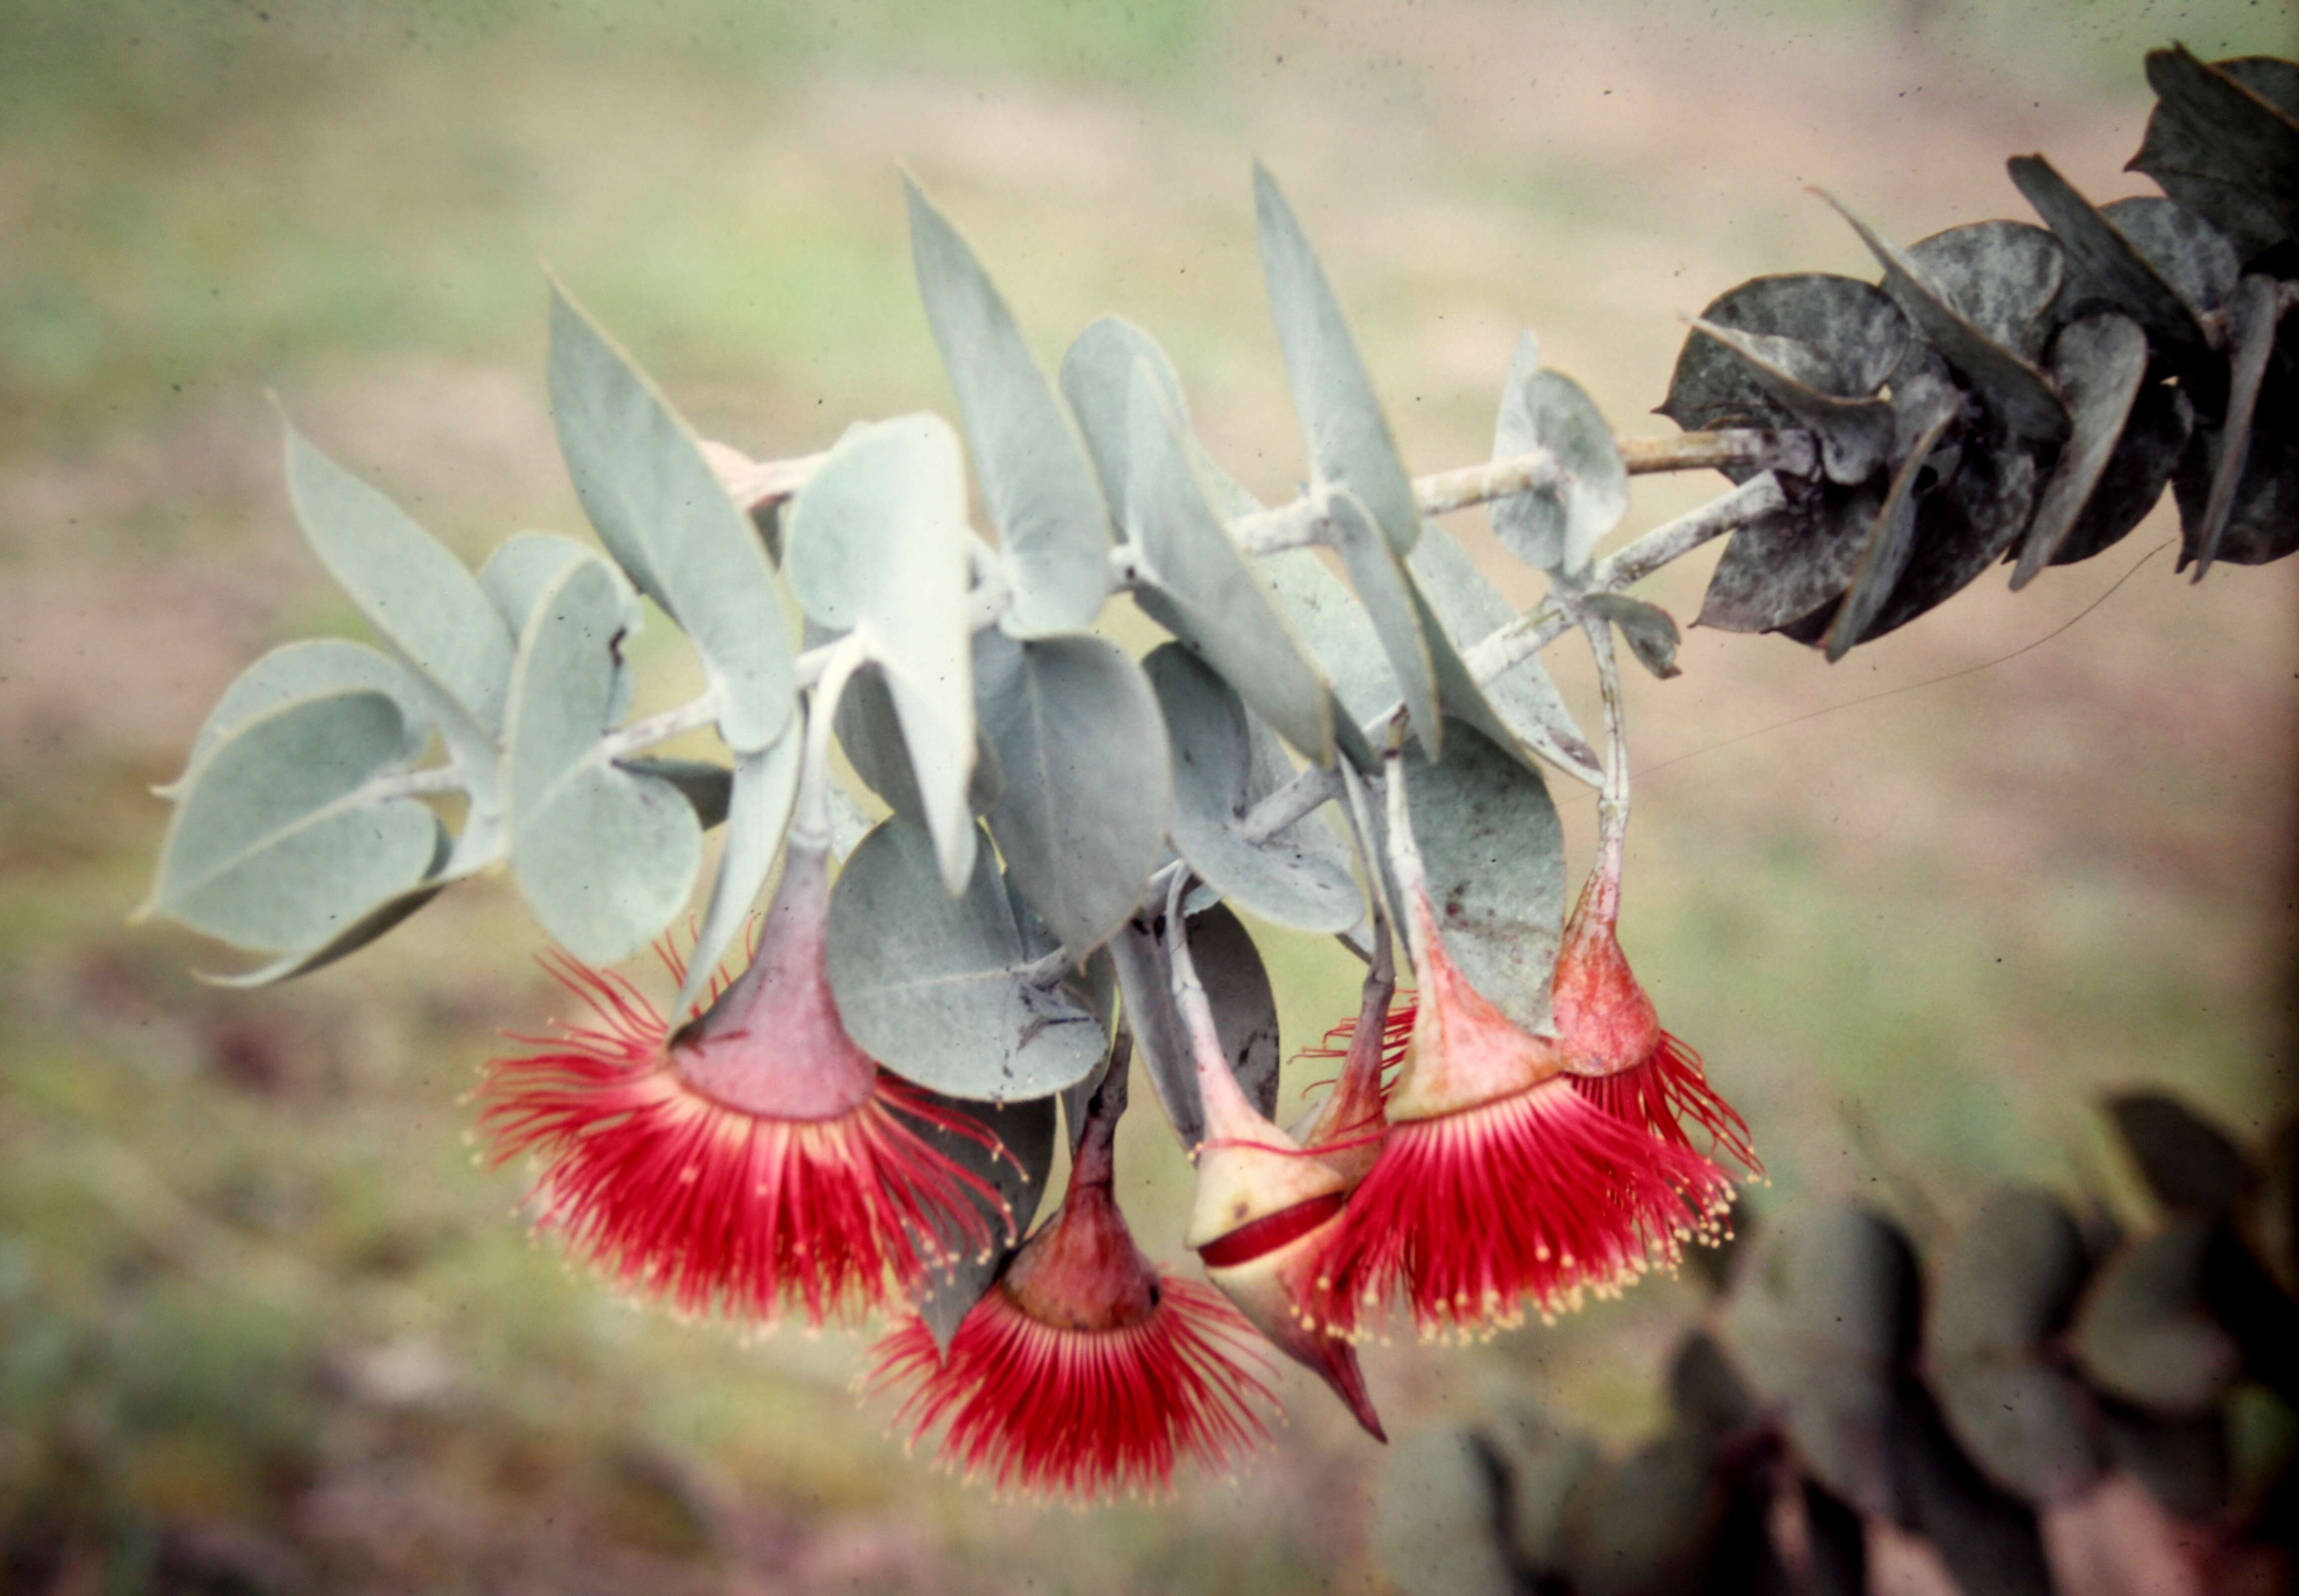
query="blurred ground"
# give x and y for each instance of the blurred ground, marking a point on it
(263, 1327)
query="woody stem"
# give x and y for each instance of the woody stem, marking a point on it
(1613, 799)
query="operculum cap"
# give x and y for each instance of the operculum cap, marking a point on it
(1271, 1289)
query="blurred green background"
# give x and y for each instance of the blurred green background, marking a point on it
(265, 1326)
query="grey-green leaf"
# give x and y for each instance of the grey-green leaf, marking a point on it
(1036, 477)
(758, 813)
(1342, 422)
(1203, 590)
(1097, 381)
(1495, 854)
(1650, 630)
(877, 542)
(605, 857)
(1339, 634)
(275, 845)
(1088, 782)
(525, 563)
(298, 670)
(670, 524)
(1226, 761)
(406, 584)
(2098, 364)
(1556, 525)
(932, 986)
(386, 916)
(1387, 594)
(2016, 388)
(1519, 709)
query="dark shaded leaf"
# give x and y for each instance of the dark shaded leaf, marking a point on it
(2005, 1286)
(1851, 326)
(2152, 442)
(1650, 630)
(2251, 323)
(1017, 1170)
(1782, 567)
(2263, 521)
(2238, 131)
(1226, 761)
(2007, 293)
(2188, 1163)
(2003, 276)
(1706, 1393)
(1341, 420)
(1823, 1321)
(1237, 989)
(1643, 1526)
(1437, 1519)
(2207, 175)
(1855, 433)
(2183, 1462)
(1554, 528)
(1836, 1563)
(1886, 555)
(932, 987)
(2181, 247)
(1036, 479)
(2098, 364)
(2143, 1333)
(1088, 782)
(1990, 1540)
(2111, 264)
(2263, 1320)
(1962, 528)
(1542, 1464)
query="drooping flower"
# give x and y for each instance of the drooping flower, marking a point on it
(1610, 1036)
(1498, 1184)
(756, 1158)
(1267, 1203)
(1084, 1371)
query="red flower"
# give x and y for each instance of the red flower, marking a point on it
(1611, 1038)
(1498, 1182)
(757, 1157)
(1084, 1371)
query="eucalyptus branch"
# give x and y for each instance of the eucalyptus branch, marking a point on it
(1522, 638)
(695, 713)
(410, 784)
(1312, 787)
